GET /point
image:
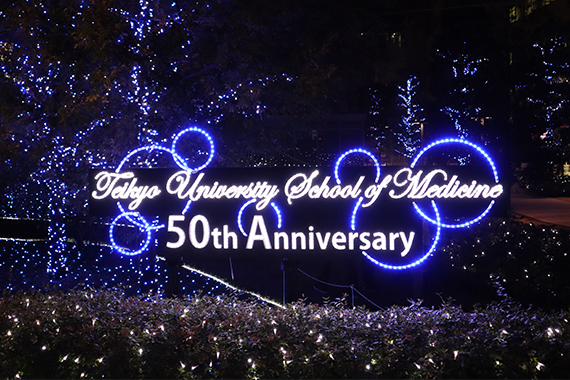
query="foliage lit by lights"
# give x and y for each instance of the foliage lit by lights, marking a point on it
(549, 97)
(88, 334)
(529, 261)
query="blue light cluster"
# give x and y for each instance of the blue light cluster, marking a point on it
(214, 109)
(553, 72)
(462, 109)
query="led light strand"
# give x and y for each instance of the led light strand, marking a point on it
(227, 284)
(356, 151)
(240, 213)
(458, 141)
(187, 207)
(278, 213)
(353, 214)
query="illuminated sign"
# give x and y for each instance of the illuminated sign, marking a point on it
(394, 216)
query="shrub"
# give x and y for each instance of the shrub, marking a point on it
(95, 334)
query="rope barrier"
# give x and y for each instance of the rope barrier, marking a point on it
(352, 288)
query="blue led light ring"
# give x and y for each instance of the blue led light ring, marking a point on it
(421, 259)
(251, 201)
(491, 164)
(240, 212)
(147, 229)
(180, 162)
(356, 151)
(278, 212)
(353, 214)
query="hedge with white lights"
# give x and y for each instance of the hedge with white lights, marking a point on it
(95, 334)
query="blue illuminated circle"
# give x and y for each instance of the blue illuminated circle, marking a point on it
(355, 151)
(359, 203)
(252, 201)
(493, 169)
(418, 261)
(141, 224)
(180, 161)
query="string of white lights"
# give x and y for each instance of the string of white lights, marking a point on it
(227, 284)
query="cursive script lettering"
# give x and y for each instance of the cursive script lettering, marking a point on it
(122, 186)
(299, 186)
(179, 184)
(420, 186)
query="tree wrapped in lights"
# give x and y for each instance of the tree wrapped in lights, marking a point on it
(57, 79)
(542, 94)
(408, 133)
(84, 82)
(550, 84)
(466, 105)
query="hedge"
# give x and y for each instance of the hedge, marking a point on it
(96, 334)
